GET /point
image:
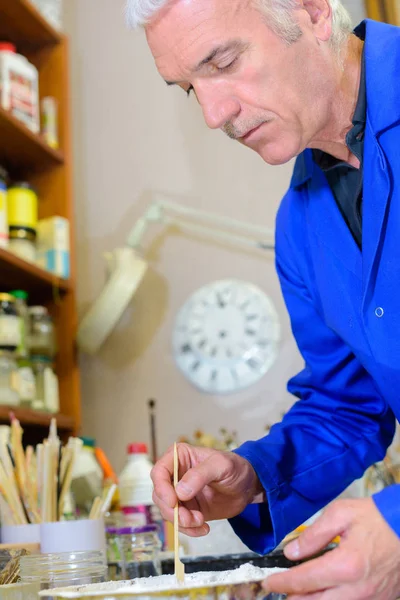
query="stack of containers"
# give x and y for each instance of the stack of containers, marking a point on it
(27, 352)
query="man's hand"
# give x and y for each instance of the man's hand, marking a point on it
(213, 485)
(365, 566)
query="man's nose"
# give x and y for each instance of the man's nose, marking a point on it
(217, 109)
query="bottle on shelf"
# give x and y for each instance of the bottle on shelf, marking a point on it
(136, 490)
(26, 378)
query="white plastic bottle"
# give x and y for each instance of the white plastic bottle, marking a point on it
(136, 490)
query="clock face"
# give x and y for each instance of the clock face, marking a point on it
(226, 336)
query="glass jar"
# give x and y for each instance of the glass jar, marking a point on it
(133, 552)
(41, 332)
(10, 334)
(8, 379)
(21, 299)
(22, 242)
(63, 570)
(46, 384)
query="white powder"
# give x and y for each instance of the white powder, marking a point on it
(244, 574)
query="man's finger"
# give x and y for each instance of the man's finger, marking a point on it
(162, 480)
(195, 479)
(318, 535)
(196, 531)
(187, 518)
(328, 571)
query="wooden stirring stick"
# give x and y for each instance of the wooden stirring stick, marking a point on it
(179, 566)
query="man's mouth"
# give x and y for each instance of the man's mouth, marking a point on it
(249, 133)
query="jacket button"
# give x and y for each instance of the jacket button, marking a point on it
(379, 312)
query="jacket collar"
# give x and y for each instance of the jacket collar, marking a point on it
(382, 57)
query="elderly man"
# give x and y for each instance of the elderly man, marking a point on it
(289, 78)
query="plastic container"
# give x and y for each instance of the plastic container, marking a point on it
(10, 334)
(87, 475)
(19, 591)
(26, 381)
(41, 338)
(49, 112)
(64, 569)
(22, 242)
(47, 396)
(133, 552)
(22, 206)
(19, 86)
(136, 490)
(3, 213)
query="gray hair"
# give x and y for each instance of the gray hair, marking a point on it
(279, 14)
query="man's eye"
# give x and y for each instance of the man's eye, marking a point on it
(228, 66)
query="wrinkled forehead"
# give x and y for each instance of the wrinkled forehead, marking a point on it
(184, 29)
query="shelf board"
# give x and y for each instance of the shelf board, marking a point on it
(22, 24)
(21, 148)
(16, 273)
(32, 418)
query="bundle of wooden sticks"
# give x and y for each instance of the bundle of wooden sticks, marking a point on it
(34, 483)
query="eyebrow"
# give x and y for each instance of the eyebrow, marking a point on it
(215, 53)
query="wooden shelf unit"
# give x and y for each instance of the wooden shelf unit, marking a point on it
(26, 156)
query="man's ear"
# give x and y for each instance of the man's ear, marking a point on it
(320, 14)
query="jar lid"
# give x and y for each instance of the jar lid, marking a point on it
(22, 233)
(137, 448)
(7, 47)
(22, 185)
(136, 530)
(7, 298)
(20, 294)
(38, 311)
(40, 359)
(3, 174)
(5, 351)
(89, 442)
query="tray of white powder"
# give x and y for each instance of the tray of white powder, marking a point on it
(243, 583)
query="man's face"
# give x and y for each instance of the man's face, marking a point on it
(270, 96)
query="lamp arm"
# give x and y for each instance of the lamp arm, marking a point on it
(214, 226)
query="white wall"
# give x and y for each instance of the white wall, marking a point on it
(131, 135)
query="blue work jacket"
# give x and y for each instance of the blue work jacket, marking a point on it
(344, 306)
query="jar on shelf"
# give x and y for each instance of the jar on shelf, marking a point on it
(9, 395)
(62, 570)
(133, 552)
(42, 340)
(10, 334)
(22, 206)
(21, 299)
(46, 385)
(22, 242)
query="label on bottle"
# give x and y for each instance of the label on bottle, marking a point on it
(10, 333)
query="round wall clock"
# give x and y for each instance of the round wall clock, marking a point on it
(226, 336)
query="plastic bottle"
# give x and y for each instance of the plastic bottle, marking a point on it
(136, 490)
(87, 475)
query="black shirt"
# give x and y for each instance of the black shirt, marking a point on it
(346, 181)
